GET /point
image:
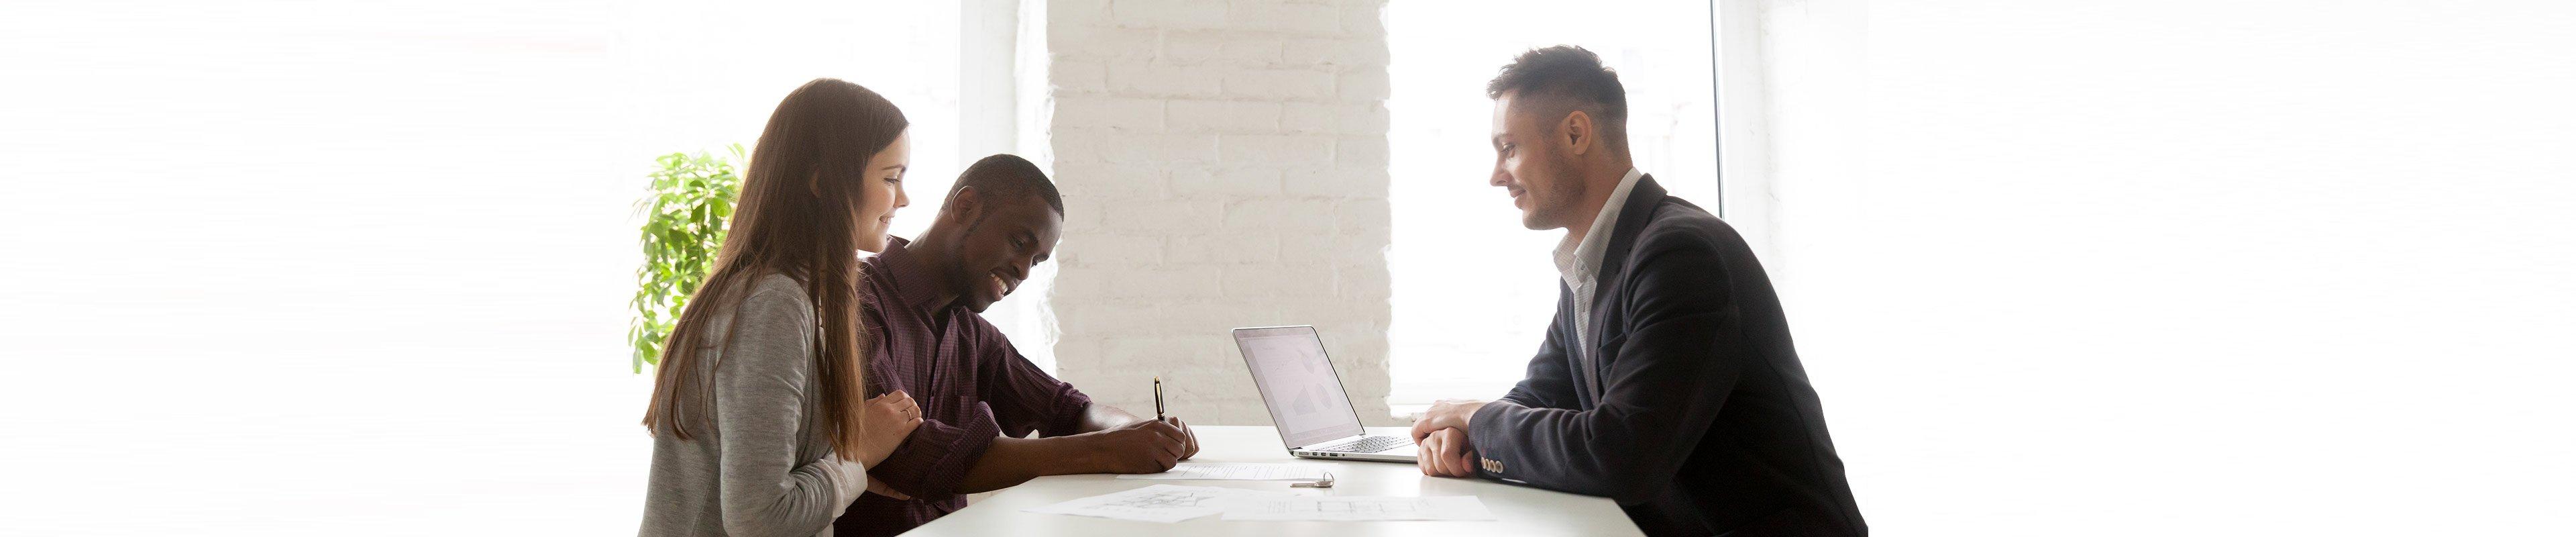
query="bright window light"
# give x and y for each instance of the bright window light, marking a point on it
(1474, 291)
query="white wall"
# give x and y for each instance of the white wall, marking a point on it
(2131, 268)
(1223, 165)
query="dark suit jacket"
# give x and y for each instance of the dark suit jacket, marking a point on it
(1693, 412)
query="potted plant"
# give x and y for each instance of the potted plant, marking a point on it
(685, 214)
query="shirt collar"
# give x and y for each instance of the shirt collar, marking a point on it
(913, 283)
(1577, 262)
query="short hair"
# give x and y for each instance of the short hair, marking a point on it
(1573, 74)
(1009, 177)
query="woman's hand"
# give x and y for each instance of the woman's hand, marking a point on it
(888, 419)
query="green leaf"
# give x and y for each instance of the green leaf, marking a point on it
(687, 204)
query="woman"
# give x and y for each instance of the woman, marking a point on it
(758, 419)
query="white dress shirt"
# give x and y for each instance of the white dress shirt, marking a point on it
(1580, 264)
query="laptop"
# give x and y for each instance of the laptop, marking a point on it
(1306, 400)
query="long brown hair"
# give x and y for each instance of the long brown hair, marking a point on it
(805, 179)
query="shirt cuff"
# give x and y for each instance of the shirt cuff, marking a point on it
(849, 480)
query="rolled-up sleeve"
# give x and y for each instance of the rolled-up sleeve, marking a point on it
(934, 460)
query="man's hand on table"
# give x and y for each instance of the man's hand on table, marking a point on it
(1446, 414)
(1445, 453)
(1442, 433)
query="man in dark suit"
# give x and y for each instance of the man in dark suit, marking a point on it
(1667, 380)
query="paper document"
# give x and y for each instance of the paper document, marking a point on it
(1238, 472)
(1354, 508)
(1156, 503)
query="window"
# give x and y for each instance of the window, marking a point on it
(1473, 290)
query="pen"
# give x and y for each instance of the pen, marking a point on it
(1158, 398)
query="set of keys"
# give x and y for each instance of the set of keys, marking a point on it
(1325, 483)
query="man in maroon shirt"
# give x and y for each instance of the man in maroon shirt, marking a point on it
(978, 396)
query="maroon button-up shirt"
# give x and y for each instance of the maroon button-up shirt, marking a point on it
(971, 384)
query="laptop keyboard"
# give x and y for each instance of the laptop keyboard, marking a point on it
(1367, 444)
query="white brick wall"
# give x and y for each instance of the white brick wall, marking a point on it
(1224, 164)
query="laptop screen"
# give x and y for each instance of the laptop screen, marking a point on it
(1298, 383)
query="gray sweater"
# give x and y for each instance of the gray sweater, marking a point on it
(763, 466)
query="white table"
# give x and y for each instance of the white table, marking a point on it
(1519, 510)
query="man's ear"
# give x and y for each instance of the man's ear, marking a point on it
(1577, 131)
(962, 206)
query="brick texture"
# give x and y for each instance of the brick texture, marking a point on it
(1234, 156)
